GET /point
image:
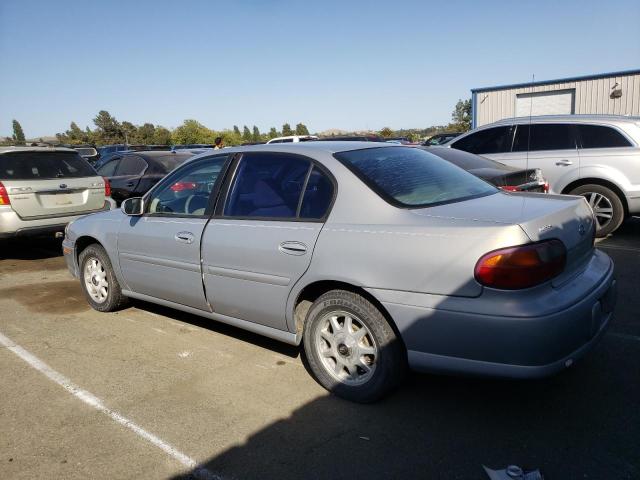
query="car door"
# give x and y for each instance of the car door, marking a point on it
(159, 252)
(127, 177)
(552, 148)
(262, 237)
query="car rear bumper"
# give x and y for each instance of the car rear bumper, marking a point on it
(11, 225)
(445, 340)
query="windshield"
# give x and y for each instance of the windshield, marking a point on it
(38, 165)
(412, 177)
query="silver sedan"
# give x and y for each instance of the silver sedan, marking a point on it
(374, 257)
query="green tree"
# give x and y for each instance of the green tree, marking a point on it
(129, 131)
(286, 130)
(192, 131)
(145, 134)
(18, 133)
(273, 133)
(161, 136)
(301, 129)
(386, 132)
(236, 130)
(246, 134)
(256, 135)
(461, 115)
(108, 129)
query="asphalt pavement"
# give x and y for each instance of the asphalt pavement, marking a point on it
(151, 392)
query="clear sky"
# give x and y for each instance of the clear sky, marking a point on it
(330, 64)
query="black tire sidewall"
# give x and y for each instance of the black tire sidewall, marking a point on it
(618, 208)
(388, 372)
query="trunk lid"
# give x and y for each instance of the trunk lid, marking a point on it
(42, 184)
(542, 217)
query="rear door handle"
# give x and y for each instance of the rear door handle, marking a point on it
(293, 248)
(564, 162)
(130, 184)
(184, 237)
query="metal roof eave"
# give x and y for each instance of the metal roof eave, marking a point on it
(557, 80)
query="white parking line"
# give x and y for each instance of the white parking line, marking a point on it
(95, 402)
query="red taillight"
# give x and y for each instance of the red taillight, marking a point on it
(180, 186)
(4, 195)
(521, 267)
(107, 187)
(510, 188)
(546, 187)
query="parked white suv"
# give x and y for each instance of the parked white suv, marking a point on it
(597, 156)
(42, 189)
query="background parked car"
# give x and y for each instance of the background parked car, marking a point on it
(440, 138)
(190, 146)
(507, 178)
(43, 188)
(596, 156)
(353, 138)
(132, 174)
(90, 154)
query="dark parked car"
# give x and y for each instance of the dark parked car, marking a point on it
(507, 178)
(353, 138)
(441, 138)
(132, 174)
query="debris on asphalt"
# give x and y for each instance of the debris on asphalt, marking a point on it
(513, 472)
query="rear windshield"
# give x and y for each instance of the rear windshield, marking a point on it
(37, 165)
(171, 161)
(411, 177)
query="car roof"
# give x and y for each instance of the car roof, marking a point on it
(581, 118)
(309, 147)
(36, 149)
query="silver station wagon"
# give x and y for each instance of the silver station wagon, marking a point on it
(374, 257)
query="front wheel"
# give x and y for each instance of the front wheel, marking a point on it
(351, 349)
(99, 283)
(606, 205)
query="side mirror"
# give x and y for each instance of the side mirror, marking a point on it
(134, 207)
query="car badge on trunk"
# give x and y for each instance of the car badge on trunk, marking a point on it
(581, 229)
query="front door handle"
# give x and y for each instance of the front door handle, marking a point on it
(130, 184)
(564, 162)
(184, 237)
(293, 248)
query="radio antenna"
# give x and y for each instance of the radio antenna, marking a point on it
(533, 80)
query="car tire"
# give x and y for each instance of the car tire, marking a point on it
(604, 202)
(99, 283)
(360, 366)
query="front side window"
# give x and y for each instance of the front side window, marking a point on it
(131, 165)
(490, 140)
(544, 136)
(187, 192)
(598, 136)
(411, 177)
(267, 185)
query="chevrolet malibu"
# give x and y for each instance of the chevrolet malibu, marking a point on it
(374, 257)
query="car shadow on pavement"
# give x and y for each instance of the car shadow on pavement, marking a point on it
(30, 248)
(579, 424)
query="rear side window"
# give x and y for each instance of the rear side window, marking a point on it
(598, 136)
(43, 165)
(490, 140)
(131, 165)
(317, 195)
(544, 136)
(411, 177)
(267, 185)
(109, 168)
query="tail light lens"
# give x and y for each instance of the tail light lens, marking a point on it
(4, 195)
(510, 188)
(180, 186)
(107, 187)
(523, 266)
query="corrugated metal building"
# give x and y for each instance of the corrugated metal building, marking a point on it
(616, 93)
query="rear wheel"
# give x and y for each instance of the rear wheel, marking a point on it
(99, 283)
(351, 349)
(606, 205)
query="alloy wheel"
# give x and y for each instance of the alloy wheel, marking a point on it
(602, 208)
(95, 280)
